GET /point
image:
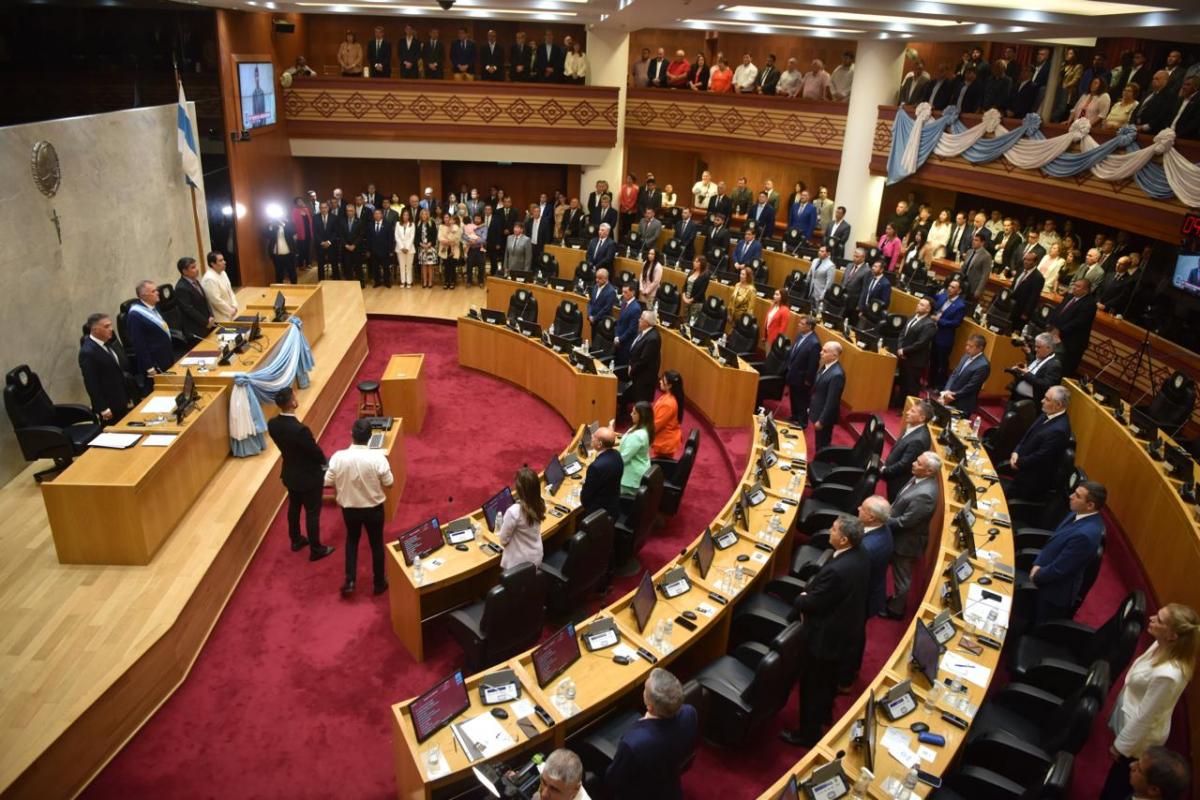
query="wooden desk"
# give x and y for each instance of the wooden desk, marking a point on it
(500, 291)
(304, 301)
(723, 394)
(578, 397)
(869, 374)
(601, 683)
(202, 359)
(402, 389)
(1163, 531)
(393, 445)
(898, 668)
(460, 577)
(119, 506)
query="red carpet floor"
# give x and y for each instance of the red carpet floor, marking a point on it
(290, 695)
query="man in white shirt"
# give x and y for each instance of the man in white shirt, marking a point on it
(703, 190)
(360, 476)
(842, 78)
(216, 286)
(789, 81)
(745, 76)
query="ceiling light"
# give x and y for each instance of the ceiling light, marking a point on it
(1091, 8)
(423, 9)
(705, 23)
(836, 14)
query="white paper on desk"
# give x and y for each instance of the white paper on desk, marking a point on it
(159, 440)
(434, 564)
(159, 405)
(521, 708)
(197, 361)
(485, 731)
(927, 754)
(907, 758)
(966, 669)
(706, 610)
(894, 738)
(625, 650)
(759, 556)
(977, 607)
(115, 441)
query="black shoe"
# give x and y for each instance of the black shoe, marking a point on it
(380, 588)
(299, 544)
(799, 738)
(347, 588)
(320, 552)
(887, 613)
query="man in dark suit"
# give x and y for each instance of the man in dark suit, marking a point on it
(656, 70)
(949, 309)
(193, 305)
(645, 360)
(762, 215)
(281, 246)
(940, 92)
(1157, 110)
(968, 92)
(912, 509)
(352, 236)
(838, 234)
(1187, 119)
(602, 297)
(998, 91)
(911, 442)
(379, 55)
(833, 609)
(718, 235)
(825, 406)
(602, 484)
(747, 250)
(651, 754)
(381, 243)
(649, 197)
(628, 316)
(540, 229)
(803, 359)
(685, 235)
(742, 197)
(768, 77)
(326, 235)
(1031, 246)
(573, 220)
(720, 203)
(604, 214)
(520, 60)
(916, 341)
(1057, 572)
(463, 55)
(1043, 370)
(149, 335)
(548, 60)
(491, 59)
(1073, 320)
(876, 287)
(1036, 457)
(433, 54)
(1117, 291)
(1024, 99)
(854, 280)
(1026, 290)
(874, 513)
(601, 250)
(303, 474)
(105, 371)
(965, 382)
(409, 53)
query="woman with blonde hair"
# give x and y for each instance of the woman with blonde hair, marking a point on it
(1141, 717)
(425, 238)
(520, 530)
(1050, 265)
(742, 300)
(449, 248)
(350, 56)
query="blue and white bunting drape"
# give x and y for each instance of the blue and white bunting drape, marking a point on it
(916, 138)
(292, 362)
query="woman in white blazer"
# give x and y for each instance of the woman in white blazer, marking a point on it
(405, 231)
(1141, 717)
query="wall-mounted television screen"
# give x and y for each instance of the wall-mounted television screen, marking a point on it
(1187, 273)
(256, 84)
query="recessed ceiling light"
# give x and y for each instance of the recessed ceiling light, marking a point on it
(1091, 8)
(705, 23)
(423, 9)
(836, 14)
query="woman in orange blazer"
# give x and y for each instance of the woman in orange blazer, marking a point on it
(668, 413)
(777, 320)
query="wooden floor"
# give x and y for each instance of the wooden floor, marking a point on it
(436, 303)
(76, 642)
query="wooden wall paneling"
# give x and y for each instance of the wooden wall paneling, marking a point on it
(676, 167)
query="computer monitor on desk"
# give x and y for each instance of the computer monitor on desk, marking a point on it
(705, 551)
(926, 651)
(495, 506)
(558, 653)
(280, 308)
(554, 474)
(964, 487)
(644, 600)
(435, 709)
(186, 400)
(420, 541)
(255, 329)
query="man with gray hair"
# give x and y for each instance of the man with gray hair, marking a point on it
(1036, 457)
(854, 280)
(601, 250)
(651, 753)
(825, 404)
(562, 776)
(645, 361)
(912, 511)
(602, 297)
(1161, 774)
(1043, 370)
(911, 441)
(875, 513)
(149, 334)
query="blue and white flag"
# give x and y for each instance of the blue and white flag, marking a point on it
(187, 143)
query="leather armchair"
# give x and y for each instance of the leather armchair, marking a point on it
(45, 429)
(507, 621)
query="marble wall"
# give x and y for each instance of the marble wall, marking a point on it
(125, 214)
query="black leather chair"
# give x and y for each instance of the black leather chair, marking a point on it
(584, 272)
(168, 306)
(668, 303)
(1019, 729)
(581, 568)
(833, 460)
(828, 500)
(549, 265)
(999, 441)
(631, 243)
(772, 372)
(45, 429)
(1040, 319)
(748, 687)
(627, 278)
(568, 321)
(833, 306)
(1173, 404)
(508, 620)
(760, 270)
(672, 251)
(792, 239)
(811, 556)
(762, 617)
(637, 520)
(1075, 643)
(891, 329)
(743, 339)
(522, 304)
(1000, 313)
(718, 258)
(123, 329)
(969, 782)
(796, 293)
(712, 316)
(604, 332)
(676, 479)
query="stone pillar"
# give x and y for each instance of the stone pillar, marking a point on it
(876, 76)
(1046, 107)
(608, 65)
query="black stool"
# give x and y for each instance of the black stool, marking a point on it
(370, 403)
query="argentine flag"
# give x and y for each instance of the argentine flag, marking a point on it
(187, 143)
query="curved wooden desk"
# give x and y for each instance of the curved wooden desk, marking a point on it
(940, 554)
(601, 682)
(1163, 530)
(578, 397)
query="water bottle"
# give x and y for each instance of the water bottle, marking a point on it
(865, 776)
(975, 423)
(910, 782)
(739, 575)
(418, 573)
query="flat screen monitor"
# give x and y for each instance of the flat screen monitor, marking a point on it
(496, 505)
(255, 329)
(433, 710)
(560, 651)
(926, 651)
(705, 551)
(791, 791)
(1182, 466)
(1107, 394)
(1187, 273)
(256, 86)
(644, 600)
(942, 414)
(554, 475)
(280, 307)
(1145, 427)
(743, 509)
(964, 523)
(955, 449)
(772, 431)
(953, 594)
(868, 744)
(421, 540)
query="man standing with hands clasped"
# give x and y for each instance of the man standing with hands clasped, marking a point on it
(303, 474)
(360, 476)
